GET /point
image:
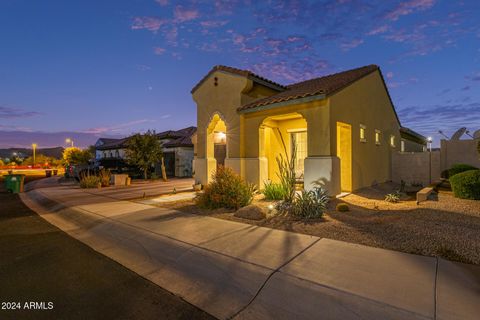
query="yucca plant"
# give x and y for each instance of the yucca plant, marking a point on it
(392, 197)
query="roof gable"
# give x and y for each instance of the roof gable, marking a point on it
(244, 73)
(323, 85)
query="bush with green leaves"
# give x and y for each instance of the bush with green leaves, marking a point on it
(342, 207)
(466, 185)
(459, 168)
(310, 204)
(392, 197)
(227, 190)
(89, 181)
(306, 205)
(273, 191)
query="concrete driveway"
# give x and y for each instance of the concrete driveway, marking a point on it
(235, 270)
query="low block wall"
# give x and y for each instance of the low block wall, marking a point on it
(423, 167)
(459, 151)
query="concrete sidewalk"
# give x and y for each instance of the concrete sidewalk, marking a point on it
(235, 270)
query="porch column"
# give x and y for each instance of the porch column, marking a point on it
(324, 169)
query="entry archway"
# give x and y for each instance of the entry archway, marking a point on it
(216, 141)
(281, 135)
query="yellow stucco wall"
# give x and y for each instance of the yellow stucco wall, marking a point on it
(366, 102)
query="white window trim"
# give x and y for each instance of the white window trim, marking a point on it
(379, 141)
(393, 141)
(364, 139)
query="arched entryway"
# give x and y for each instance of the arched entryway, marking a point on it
(281, 135)
(217, 140)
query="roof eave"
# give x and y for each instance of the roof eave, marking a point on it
(269, 106)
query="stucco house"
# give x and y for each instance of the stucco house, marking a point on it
(344, 127)
(177, 149)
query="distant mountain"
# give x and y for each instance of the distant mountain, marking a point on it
(24, 139)
(55, 152)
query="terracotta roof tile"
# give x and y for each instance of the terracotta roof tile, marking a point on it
(245, 73)
(323, 85)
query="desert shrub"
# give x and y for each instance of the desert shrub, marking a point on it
(227, 190)
(466, 185)
(342, 207)
(273, 191)
(88, 180)
(459, 168)
(104, 176)
(307, 204)
(392, 197)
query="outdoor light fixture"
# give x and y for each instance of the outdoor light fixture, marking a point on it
(220, 137)
(429, 141)
(270, 207)
(68, 140)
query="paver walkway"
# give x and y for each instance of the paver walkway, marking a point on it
(235, 270)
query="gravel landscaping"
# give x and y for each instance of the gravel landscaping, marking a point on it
(443, 226)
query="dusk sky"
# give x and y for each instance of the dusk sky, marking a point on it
(85, 69)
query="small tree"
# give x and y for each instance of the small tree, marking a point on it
(75, 156)
(1, 163)
(144, 151)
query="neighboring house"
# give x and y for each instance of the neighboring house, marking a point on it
(344, 127)
(412, 141)
(177, 152)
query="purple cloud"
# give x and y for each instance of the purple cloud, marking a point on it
(182, 14)
(162, 2)
(408, 7)
(149, 23)
(12, 113)
(159, 51)
(346, 46)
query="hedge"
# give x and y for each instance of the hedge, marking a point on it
(466, 185)
(459, 168)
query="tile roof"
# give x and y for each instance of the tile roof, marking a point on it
(411, 135)
(245, 73)
(112, 143)
(324, 85)
(178, 138)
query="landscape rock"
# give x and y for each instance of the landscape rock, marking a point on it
(251, 212)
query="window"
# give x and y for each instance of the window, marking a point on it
(363, 136)
(104, 154)
(117, 154)
(392, 141)
(402, 146)
(299, 140)
(377, 137)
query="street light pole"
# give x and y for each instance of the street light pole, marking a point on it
(34, 147)
(429, 141)
(68, 140)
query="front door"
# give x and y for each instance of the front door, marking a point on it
(344, 152)
(220, 152)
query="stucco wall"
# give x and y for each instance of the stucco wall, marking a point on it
(366, 102)
(414, 167)
(460, 151)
